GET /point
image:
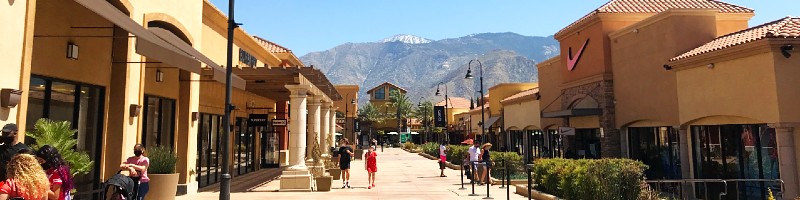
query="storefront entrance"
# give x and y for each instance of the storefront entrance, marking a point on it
(269, 146)
(245, 147)
(78, 103)
(584, 144)
(159, 122)
(656, 147)
(208, 152)
(745, 151)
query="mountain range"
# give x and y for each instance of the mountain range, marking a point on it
(418, 64)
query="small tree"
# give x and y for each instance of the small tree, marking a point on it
(61, 136)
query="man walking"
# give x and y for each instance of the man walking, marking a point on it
(474, 155)
(10, 147)
(345, 156)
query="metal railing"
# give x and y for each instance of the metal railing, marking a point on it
(684, 195)
(737, 181)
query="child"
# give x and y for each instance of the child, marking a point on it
(371, 165)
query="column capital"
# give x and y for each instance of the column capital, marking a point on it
(298, 90)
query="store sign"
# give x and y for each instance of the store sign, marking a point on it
(246, 59)
(572, 61)
(258, 120)
(280, 122)
(340, 121)
(439, 116)
(356, 125)
(566, 130)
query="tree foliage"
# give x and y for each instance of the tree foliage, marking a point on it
(60, 135)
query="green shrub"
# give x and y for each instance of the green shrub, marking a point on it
(409, 146)
(512, 159)
(60, 135)
(589, 179)
(456, 153)
(162, 160)
(430, 148)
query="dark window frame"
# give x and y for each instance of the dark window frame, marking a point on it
(159, 121)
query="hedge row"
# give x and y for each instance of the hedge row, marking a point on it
(589, 179)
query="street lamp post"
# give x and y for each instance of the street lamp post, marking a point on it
(483, 97)
(225, 184)
(445, 106)
(424, 119)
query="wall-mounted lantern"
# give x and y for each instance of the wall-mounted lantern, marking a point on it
(72, 51)
(10, 98)
(135, 109)
(159, 76)
(195, 116)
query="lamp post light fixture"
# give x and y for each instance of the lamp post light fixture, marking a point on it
(424, 119)
(346, 111)
(225, 183)
(446, 99)
(483, 96)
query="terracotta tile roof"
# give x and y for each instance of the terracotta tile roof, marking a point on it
(657, 6)
(478, 109)
(455, 102)
(788, 27)
(526, 93)
(271, 46)
(386, 83)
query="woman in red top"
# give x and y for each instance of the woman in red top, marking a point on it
(371, 165)
(26, 179)
(57, 172)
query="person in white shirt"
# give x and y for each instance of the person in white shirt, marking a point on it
(474, 155)
(442, 158)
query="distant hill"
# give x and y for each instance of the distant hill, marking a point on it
(418, 64)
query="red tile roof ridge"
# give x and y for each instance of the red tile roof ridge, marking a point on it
(787, 27)
(272, 47)
(525, 93)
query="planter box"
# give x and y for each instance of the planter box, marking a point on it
(535, 194)
(336, 173)
(323, 184)
(162, 187)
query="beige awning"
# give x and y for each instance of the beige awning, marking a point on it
(147, 44)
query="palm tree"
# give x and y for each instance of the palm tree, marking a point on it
(371, 115)
(424, 112)
(402, 107)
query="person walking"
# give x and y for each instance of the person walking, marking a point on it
(10, 147)
(345, 156)
(442, 158)
(486, 158)
(371, 165)
(137, 167)
(57, 172)
(25, 179)
(474, 156)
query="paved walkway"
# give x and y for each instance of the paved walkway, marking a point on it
(401, 175)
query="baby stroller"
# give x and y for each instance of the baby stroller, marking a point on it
(120, 187)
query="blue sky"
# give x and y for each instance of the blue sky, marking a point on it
(316, 25)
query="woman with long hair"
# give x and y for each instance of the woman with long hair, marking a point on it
(57, 171)
(26, 179)
(487, 159)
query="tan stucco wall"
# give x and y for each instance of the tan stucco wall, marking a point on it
(787, 82)
(550, 79)
(744, 87)
(502, 91)
(643, 89)
(451, 115)
(348, 93)
(15, 55)
(524, 114)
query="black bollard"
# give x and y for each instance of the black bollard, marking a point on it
(508, 180)
(528, 170)
(461, 169)
(488, 179)
(473, 171)
(505, 171)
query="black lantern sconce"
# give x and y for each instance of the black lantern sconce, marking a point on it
(10, 98)
(135, 109)
(786, 49)
(195, 116)
(159, 76)
(72, 51)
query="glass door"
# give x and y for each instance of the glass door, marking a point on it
(208, 151)
(159, 122)
(269, 146)
(244, 147)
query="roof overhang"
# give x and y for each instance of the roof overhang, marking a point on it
(575, 112)
(271, 82)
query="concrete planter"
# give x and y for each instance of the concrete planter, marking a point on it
(336, 173)
(162, 187)
(535, 194)
(323, 184)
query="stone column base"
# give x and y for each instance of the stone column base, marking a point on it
(296, 181)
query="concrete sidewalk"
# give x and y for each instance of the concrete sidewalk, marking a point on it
(401, 175)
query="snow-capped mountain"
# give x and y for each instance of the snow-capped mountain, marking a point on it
(405, 38)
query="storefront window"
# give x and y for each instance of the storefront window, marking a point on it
(657, 147)
(736, 152)
(380, 93)
(81, 105)
(584, 144)
(208, 156)
(159, 122)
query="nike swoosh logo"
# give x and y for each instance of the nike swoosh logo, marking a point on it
(573, 60)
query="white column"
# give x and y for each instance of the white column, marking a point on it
(333, 125)
(787, 156)
(313, 125)
(325, 130)
(297, 127)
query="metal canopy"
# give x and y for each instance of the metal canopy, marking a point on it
(575, 112)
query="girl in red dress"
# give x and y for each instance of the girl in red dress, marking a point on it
(371, 165)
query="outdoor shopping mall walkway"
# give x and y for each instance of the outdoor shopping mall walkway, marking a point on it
(401, 175)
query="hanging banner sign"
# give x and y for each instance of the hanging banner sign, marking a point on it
(258, 120)
(340, 121)
(439, 119)
(357, 125)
